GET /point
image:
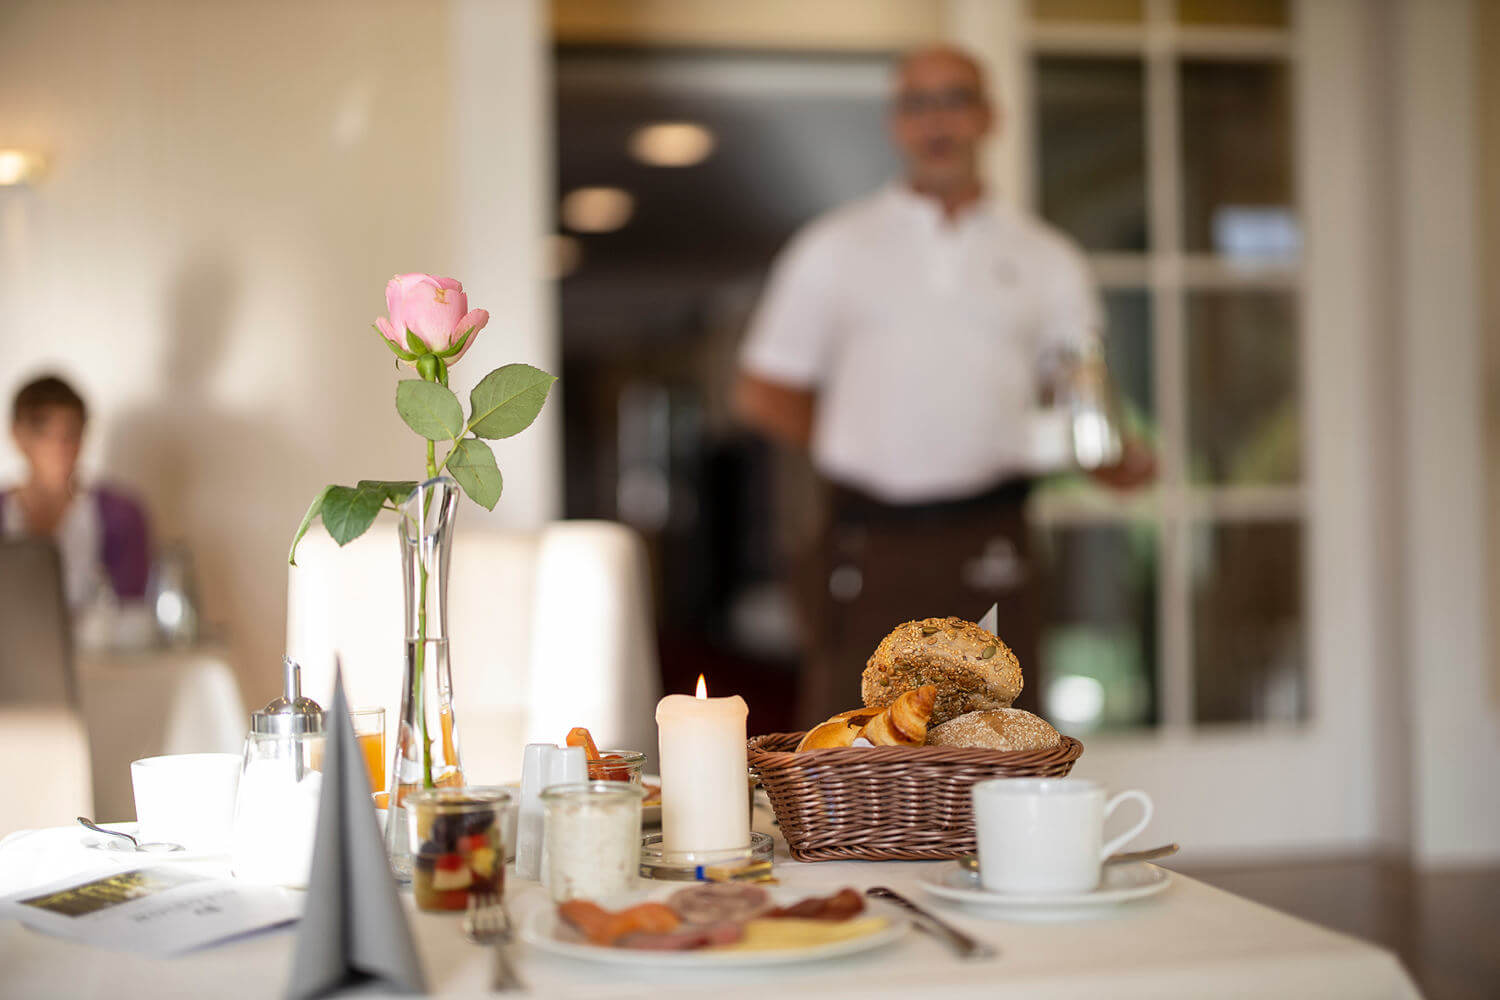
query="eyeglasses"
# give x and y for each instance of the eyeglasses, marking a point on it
(918, 102)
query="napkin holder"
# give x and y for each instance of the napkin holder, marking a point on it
(544, 765)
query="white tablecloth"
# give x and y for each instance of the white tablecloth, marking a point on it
(1190, 941)
(156, 701)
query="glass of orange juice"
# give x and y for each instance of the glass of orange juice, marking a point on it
(369, 729)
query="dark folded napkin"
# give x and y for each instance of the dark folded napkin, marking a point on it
(354, 933)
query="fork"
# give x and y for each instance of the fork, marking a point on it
(487, 923)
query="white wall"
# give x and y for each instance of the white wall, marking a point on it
(231, 186)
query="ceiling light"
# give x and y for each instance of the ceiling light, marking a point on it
(561, 256)
(597, 209)
(18, 166)
(672, 144)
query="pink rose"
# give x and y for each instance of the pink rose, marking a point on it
(435, 310)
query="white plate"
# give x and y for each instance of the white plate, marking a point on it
(543, 929)
(1120, 884)
(114, 845)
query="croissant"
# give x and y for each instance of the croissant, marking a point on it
(904, 723)
(839, 731)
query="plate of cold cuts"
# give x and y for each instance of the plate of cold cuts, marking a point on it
(716, 924)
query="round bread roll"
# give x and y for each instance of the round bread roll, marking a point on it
(996, 729)
(972, 669)
(839, 731)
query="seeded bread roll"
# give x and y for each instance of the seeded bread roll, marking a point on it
(971, 669)
(996, 729)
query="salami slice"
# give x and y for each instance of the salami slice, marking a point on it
(718, 902)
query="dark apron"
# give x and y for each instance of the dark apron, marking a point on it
(877, 565)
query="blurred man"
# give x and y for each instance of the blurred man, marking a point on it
(101, 534)
(904, 338)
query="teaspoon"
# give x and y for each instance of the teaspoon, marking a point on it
(150, 847)
(970, 862)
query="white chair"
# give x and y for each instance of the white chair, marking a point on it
(49, 783)
(547, 631)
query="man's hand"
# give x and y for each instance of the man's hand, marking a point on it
(1136, 467)
(779, 411)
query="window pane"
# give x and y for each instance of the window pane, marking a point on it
(1248, 659)
(1244, 425)
(1237, 159)
(1240, 13)
(1099, 638)
(1092, 150)
(1095, 11)
(1127, 352)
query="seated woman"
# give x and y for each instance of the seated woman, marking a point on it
(100, 532)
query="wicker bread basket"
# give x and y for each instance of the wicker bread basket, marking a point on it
(886, 803)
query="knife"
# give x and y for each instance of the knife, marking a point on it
(964, 945)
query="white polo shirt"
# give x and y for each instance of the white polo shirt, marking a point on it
(925, 340)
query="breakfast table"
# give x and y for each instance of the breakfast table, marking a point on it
(1191, 940)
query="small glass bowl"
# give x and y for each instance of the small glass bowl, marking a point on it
(619, 765)
(458, 844)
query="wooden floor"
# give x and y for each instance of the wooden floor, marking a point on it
(1445, 927)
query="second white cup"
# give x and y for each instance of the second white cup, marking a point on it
(1045, 835)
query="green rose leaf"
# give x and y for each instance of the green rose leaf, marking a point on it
(348, 511)
(307, 519)
(507, 400)
(473, 465)
(394, 490)
(430, 409)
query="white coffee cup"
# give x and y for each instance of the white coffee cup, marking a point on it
(1044, 835)
(187, 799)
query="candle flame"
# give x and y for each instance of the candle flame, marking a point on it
(702, 687)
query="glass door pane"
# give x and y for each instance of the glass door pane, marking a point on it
(1099, 643)
(1091, 149)
(1237, 159)
(1249, 661)
(1244, 422)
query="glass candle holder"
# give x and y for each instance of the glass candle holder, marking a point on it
(593, 839)
(619, 765)
(458, 845)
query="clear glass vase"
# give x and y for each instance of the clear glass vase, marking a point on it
(426, 733)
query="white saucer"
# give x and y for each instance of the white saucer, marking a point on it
(114, 845)
(1120, 884)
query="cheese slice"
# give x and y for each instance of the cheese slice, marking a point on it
(784, 933)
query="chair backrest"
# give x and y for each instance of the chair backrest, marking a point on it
(547, 630)
(36, 643)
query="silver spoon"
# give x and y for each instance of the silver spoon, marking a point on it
(150, 847)
(970, 862)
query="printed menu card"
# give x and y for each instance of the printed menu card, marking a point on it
(161, 911)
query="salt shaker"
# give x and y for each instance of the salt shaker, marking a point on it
(543, 766)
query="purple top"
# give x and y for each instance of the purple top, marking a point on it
(126, 542)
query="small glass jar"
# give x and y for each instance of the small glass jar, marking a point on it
(459, 845)
(618, 765)
(593, 839)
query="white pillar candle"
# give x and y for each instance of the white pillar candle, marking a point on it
(705, 793)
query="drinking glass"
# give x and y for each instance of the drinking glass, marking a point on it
(369, 730)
